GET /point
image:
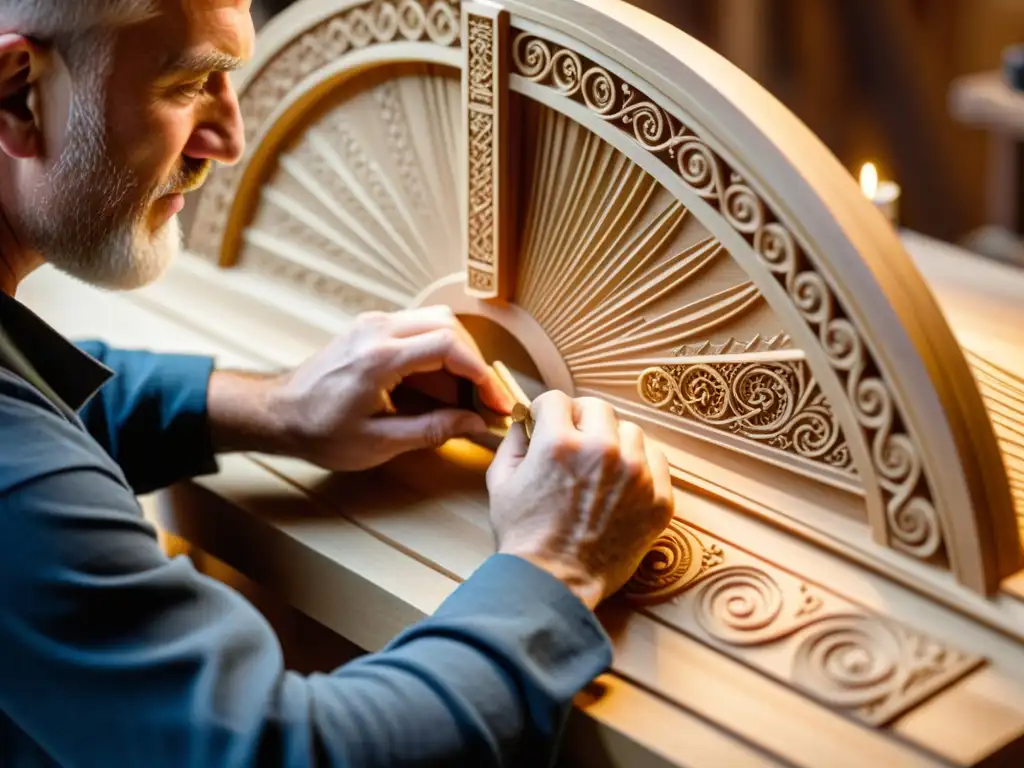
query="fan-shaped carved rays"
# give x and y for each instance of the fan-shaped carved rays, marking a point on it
(362, 208)
(649, 311)
(614, 269)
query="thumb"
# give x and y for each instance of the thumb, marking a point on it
(510, 454)
(399, 434)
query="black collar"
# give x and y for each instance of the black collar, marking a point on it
(38, 353)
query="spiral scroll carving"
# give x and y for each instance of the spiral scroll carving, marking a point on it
(867, 663)
(776, 403)
(737, 602)
(676, 559)
(371, 23)
(831, 649)
(911, 516)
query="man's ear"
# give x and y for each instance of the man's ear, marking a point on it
(20, 65)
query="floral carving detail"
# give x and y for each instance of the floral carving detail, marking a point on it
(371, 23)
(913, 522)
(776, 403)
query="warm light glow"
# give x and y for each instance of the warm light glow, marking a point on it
(869, 179)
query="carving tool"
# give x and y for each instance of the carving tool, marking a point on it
(521, 410)
(409, 400)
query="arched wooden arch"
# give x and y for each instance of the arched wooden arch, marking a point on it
(642, 216)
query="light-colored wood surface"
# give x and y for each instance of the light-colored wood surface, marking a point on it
(388, 559)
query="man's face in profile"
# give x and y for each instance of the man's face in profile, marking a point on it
(143, 129)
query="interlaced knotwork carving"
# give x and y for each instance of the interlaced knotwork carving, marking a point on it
(483, 144)
(913, 522)
(776, 403)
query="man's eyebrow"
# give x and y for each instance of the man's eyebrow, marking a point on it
(206, 61)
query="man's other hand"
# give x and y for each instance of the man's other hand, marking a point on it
(584, 499)
(336, 411)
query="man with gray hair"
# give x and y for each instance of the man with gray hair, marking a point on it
(113, 654)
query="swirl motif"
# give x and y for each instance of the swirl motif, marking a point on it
(699, 168)
(776, 403)
(675, 559)
(736, 602)
(853, 661)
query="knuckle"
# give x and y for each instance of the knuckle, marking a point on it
(603, 450)
(563, 449)
(589, 402)
(447, 337)
(378, 356)
(435, 432)
(634, 470)
(372, 319)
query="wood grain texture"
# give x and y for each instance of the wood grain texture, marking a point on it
(894, 416)
(297, 544)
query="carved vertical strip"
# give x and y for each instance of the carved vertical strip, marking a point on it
(487, 249)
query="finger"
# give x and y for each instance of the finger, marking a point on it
(438, 385)
(444, 349)
(596, 417)
(553, 416)
(631, 443)
(412, 322)
(399, 434)
(660, 473)
(510, 454)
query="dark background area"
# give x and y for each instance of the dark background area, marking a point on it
(872, 78)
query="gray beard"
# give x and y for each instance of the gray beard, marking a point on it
(89, 219)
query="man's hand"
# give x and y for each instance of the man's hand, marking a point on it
(584, 499)
(335, 410)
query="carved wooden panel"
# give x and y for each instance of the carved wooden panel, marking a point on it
(867, 665)
(355, 28)
(911, 517)
(665, 273)
(360, 210)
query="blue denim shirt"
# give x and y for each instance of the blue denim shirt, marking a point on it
(114, 655)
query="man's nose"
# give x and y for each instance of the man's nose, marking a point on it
(219, 135)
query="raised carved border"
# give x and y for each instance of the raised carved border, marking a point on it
(486, 149)
(912, 522)
(849, 658)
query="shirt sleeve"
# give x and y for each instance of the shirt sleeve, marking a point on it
(113, 654)
(151, 416)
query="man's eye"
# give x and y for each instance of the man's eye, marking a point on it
(191, 90)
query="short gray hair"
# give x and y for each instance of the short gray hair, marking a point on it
(49, 19)
(71, 26)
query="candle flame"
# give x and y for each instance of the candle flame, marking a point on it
(869, 179)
